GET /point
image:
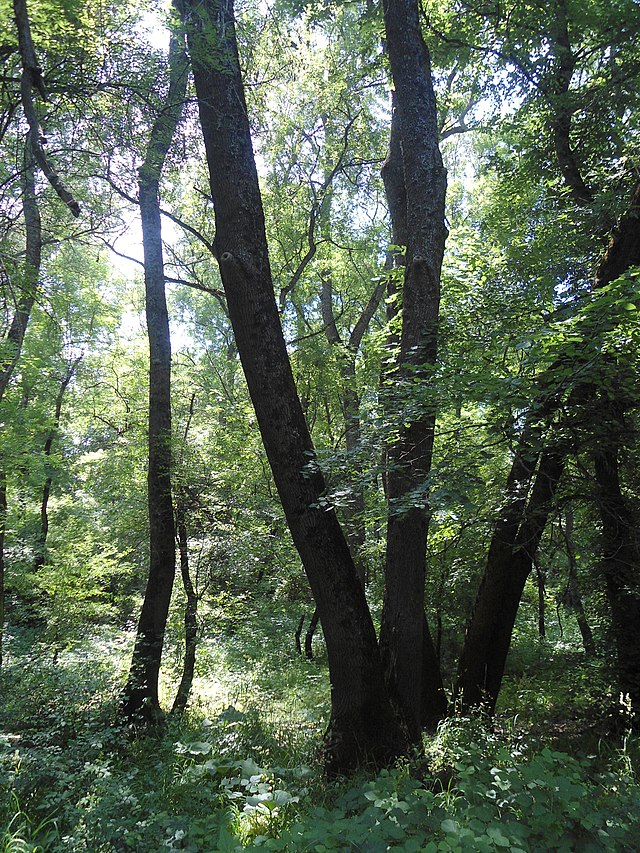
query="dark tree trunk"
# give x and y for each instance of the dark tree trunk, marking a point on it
(621, 551)
(41, 544)
(190, 616)
(531, 489)
(404, 635)
(31, 79)
(619, 515)
(140, 700)
(363, 726)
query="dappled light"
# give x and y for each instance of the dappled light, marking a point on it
(319, 438)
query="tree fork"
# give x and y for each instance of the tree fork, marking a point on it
(363, 726)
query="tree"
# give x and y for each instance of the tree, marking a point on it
(416, 200)
(140, 700)
(363, 725)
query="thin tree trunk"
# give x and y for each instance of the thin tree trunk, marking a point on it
(12, 345)
(308, 637)
(541, 587)
(140, 700)
(190, 617)
(350, 403)
(298, 635)
(363, 726)
(572, 598)
(404, 633)
(31, 78)
(41, 543)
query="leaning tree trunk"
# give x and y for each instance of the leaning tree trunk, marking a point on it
(404, 634)
(140, 700)
(363, 726)
(531, 489)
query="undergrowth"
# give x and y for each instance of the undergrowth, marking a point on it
(241, 770)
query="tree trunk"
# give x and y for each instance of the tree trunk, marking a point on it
(404, 633)
(190, 617)
(541, 587)
(513, 546)
(620, 521)
(41, 544)
(31, 78)
(140, 700)
(363, 727)
(308, 637)
(621, 552)
(298, 635)
(572, 598)
(562, 106)
(12, 346)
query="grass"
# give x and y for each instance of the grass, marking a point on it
(241, 770)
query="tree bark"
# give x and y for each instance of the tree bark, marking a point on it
(542, 607)
(404, 634)
(363, 727)
(12, 344)
(531, 489)
(140, 701)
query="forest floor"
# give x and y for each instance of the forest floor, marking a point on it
(241, 770)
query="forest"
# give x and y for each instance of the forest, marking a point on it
(319, 437)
